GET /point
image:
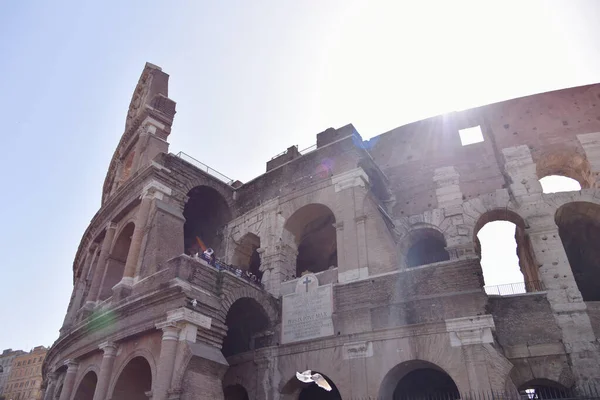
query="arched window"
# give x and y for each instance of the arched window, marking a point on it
(115, 265)
(564, 171)
(134, 381)
(579, 229)
(558, 183)
(427, 246)
(507, 258)
(313, 229)
(206, 214)
(246, 320)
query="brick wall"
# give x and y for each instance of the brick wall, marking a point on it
(524, 320)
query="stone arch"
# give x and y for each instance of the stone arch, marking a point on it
(525, 254)
(133, 380)
(314, 233)
(235, 392)
(246, 255)
(143, 353)
(423, 244)
(115, 265)
(566, 162)
(268, 303)
(86, 386)
(60, 374)
(248, 325)
(418, 379)
(224, 190)
(206, 213)
(579, 230)
(296, 390)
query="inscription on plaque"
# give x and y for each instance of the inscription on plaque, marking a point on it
(307, 313)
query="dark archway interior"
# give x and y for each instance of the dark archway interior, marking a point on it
(579, 229)
(235, 392)
(206, 214)
(315, 235)
(246, 256)
(245, 319)
(426, 383)
(115, 265)
(134, 381)
(427, 249)
(544, 389)
(87, 387)
(310, 391)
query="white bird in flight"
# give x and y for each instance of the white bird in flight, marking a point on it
(308, 377)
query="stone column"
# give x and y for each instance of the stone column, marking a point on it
(101, 265)
(166, 362)
(50, 386)
(135, 247)
(139, 146)
(69, 383)
(110, 352)
(278, 262)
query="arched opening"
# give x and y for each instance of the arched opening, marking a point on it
(558, 183)
(563, 167)
(313, 229)
(311, 391)
(235, 392)
(87, 387)
(247, 325)
(206, 214)
(579, 229)
(507, 258)
(115, 265)
(427, 246)
(134, 381)
(246, 255)
(418, 380)
(543, 389)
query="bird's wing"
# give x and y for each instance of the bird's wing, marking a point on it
(319, 380)
(303, 378)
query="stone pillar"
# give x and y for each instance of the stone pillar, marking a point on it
(50, 386)
(108, 360)
(278, 262)
(591, 145)
(69, 383)
(166, 362)
(101, 265)
(351, 189)
(522, 170)
(79, 288)
(570, 311)
(474, 335)
(448, 191)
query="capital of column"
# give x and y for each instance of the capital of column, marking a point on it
(360, 219)
(170, 330)
(71, 366)
(155, 189)
(339, 226)
(111, 225)
(109, 349)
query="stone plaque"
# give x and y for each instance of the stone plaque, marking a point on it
(307, 313)
(358, 350)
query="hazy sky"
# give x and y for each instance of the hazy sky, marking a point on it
(250, 78)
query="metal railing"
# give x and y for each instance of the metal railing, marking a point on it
(240, 273)
(514, 288)
(308, 149)
(203, 167)
(585, 392)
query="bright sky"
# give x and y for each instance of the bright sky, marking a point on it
(250, 79)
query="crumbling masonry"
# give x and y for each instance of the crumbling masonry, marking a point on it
(367, 256)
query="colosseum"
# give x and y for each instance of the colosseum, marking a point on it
(356, 259)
